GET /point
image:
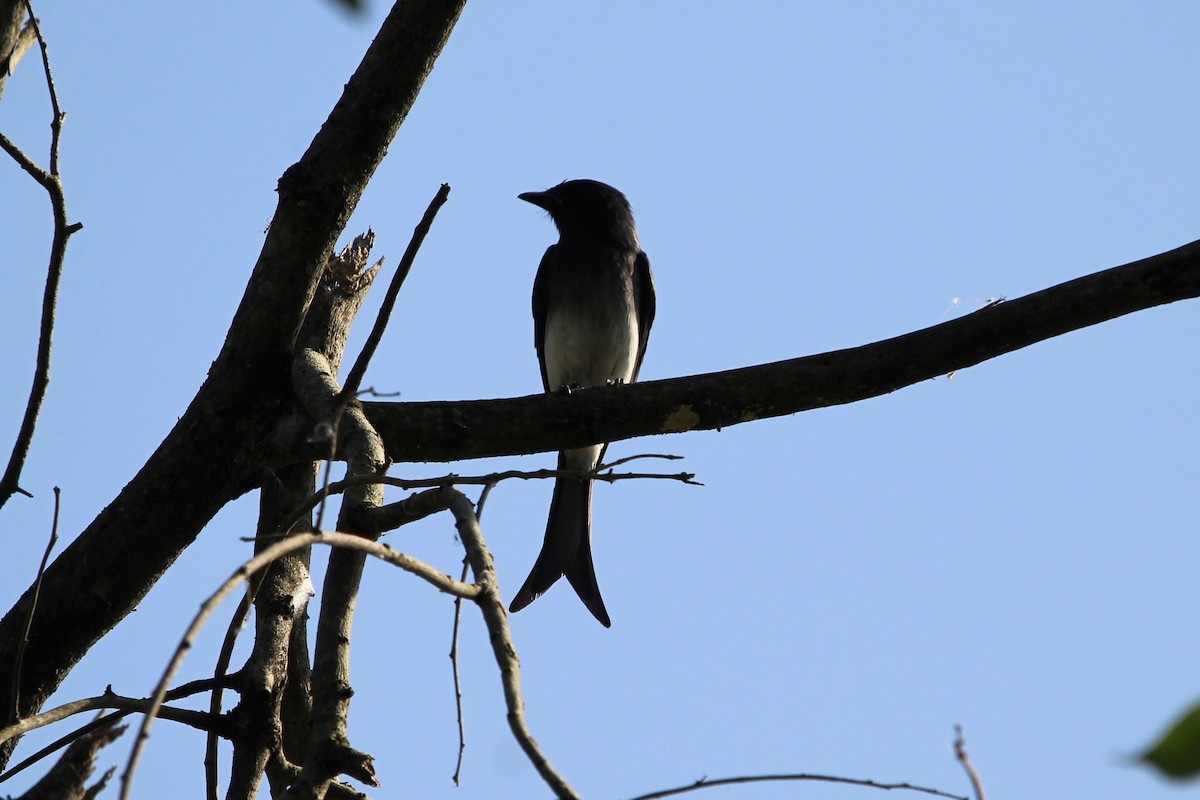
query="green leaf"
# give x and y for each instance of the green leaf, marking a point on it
(1177, 753)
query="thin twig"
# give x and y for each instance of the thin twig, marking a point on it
(10, 481)
(186, 690)
(243, 574)
(355, 375)
(483, 496)
(214, 701)
(37, 589)
(337, 487)
(43, 178)
(462, 734)
(108, 700)
(453, 479)
(458, 709)
(496, 619)
(56, 123)
(960, 752)
(627, 459)
(683, 477)
(705, 783)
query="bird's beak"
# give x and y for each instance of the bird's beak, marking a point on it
(543, 200)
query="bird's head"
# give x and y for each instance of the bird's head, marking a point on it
(586, 208)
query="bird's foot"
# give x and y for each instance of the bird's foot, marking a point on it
(615, 381)
(568, 388)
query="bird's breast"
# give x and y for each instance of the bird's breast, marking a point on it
(591, 339)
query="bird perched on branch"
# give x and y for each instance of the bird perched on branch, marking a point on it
(593, 304)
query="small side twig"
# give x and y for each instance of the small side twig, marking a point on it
(37, 589)
(683, 477)
(960, 752)
(705, 783)
(627, 459)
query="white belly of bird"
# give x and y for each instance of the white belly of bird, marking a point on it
(582, 349)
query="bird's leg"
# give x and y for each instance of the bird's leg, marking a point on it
(615, 381)
(568, 388)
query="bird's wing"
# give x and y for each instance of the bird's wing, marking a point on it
(541, 301)
(643, 298)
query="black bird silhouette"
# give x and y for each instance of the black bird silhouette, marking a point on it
(593, 305)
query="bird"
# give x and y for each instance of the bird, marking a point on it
(593, 305)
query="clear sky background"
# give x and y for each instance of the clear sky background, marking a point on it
(1013, 549)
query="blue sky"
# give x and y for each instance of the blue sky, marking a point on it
(1012, 550)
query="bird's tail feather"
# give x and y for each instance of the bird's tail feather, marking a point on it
(582, 574)
(567, 549)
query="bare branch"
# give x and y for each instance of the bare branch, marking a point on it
(496, 619)
(451, 431)
(639, 456)
(10, 480)
(109, 700)
(57, 120)
(705, 783)
(66, 779)
(422, 504)
(458, 709)
(412, 508)
(280, 594)
(960, 752)
(186, 690)
(243, 574)
(328, 753)
(355, 376)
(683, 477)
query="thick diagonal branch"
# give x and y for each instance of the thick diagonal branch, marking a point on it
(212, 455)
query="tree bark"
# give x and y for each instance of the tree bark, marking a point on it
(215, 452)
